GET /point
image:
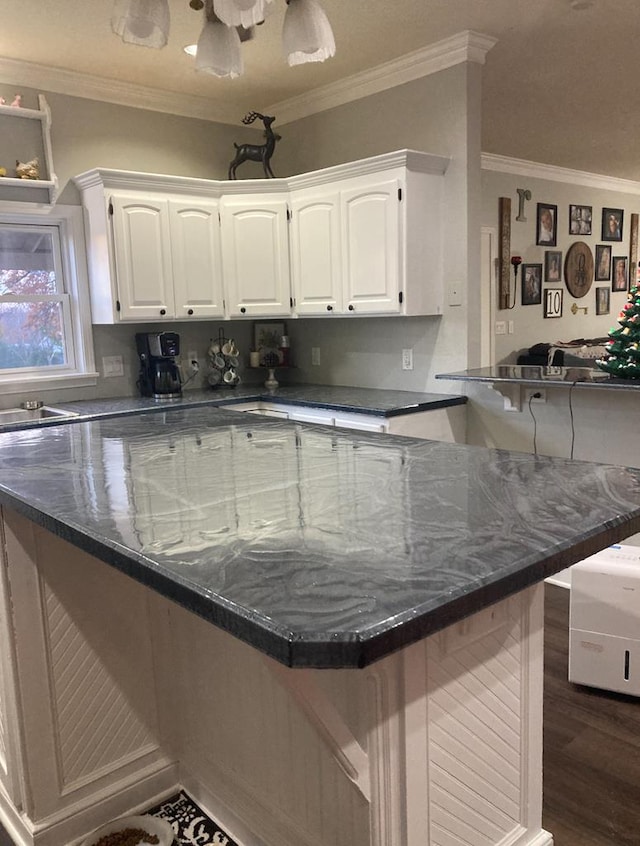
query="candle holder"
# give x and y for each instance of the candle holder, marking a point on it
(516, 261)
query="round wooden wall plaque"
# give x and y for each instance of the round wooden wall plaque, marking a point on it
(578, 269)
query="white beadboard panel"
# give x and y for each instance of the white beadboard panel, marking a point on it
(3, 744)
(475, 732)
(243, 734)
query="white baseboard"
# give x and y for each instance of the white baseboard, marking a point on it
(18, 829)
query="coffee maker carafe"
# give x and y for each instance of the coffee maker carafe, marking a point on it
(159, 373)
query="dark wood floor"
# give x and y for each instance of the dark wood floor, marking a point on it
(591, 749)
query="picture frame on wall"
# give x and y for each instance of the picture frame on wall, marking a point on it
(603, 299)
(546, 225)
(553, 302)
(612, 220)
(619, 273)
(603, 263)
(580, 219)
(531, 281)
(553, 266)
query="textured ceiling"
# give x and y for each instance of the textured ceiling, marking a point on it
(560, 86)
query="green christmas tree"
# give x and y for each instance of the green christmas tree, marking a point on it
(622, 356)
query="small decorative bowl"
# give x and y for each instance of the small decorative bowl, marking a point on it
(152, 825)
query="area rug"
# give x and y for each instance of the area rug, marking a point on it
(191, 825)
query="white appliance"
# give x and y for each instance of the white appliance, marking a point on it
(604, 622)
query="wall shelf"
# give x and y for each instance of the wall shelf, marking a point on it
(25, 134)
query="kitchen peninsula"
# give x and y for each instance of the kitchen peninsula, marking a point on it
(326, 637)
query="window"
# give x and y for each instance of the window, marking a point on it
(45, 331)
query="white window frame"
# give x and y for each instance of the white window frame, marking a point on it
(81, 370)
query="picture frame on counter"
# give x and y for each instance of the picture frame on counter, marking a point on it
(612, 222)
(546, 225)
(603, 299)
(619, 273)
(531, 281)
(553, 266)
(267, 337)
(603, 263)
(553, 302)
(580, 220)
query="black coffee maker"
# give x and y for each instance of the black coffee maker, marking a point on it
(159, 374)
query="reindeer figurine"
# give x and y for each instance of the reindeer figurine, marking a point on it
(256, 152)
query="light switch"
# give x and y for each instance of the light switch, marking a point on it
(112, 365)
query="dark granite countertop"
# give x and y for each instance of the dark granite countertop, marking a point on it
(321, 548)
(372, 401)
(561, 377)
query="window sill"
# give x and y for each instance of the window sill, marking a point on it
(19, 384)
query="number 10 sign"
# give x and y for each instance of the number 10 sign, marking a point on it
(553, 302)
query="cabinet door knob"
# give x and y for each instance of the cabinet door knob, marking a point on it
(243, 310)
(329, 308)
(190, 311)
(351, 308)
(163, 311)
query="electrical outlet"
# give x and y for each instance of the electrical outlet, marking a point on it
(501, 327)
(534, 395)
(192, 356)
(315, 356)
(407, 359)
(112, 365)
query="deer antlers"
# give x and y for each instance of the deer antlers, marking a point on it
(251, 116)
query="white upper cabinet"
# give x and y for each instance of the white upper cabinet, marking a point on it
(363, 238)
(196, 258)
(142, 253)
(371, 247)
(316, 259)
(255, 255)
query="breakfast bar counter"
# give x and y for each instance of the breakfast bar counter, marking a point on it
(328, 637)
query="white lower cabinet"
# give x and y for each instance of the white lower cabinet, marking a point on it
(439, 424)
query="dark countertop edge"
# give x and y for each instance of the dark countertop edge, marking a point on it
(606, 382)
(307, 649)
(226, 402)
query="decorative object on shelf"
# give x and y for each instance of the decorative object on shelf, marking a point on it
(17, 101)
(531, 281)
(578, 269)
(612, 220)
(546, 225)
(603, 298)
(3, 171)
(306, 34)
(553, 302)
(603, 263)
(523, 194)
(622, 350)
(580, 218)
(504, 252)
(267, 340)
(28, 170)
(620, 275)
(224, 360)
(575, 308)
(256, 152)
(3, 102)
(553, 266)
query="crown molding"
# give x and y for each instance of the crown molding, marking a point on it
(554, 173)
(467, 46)
(90, 87)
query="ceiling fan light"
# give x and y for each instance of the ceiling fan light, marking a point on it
(218, 51)
(246, 13)
(143, 22)
(307, 35)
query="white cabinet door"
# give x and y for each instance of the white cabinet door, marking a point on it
(10, 768)
(142, 251)
(316, 265)
(197, 268)
(372, 259)
(255, 256)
